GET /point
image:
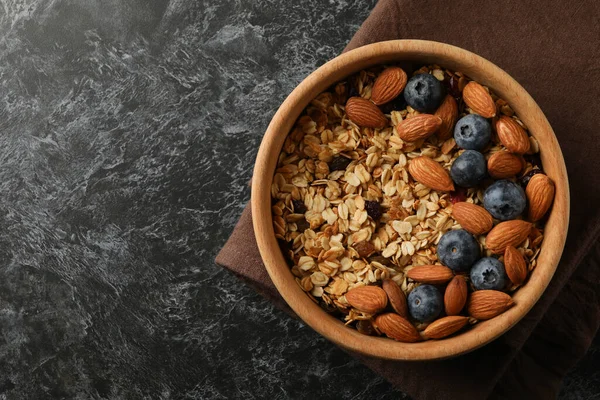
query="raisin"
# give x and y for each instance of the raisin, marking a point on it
(461, 106)
(330, 308)
(381, 260)
(365, 327)
(299, 207)
(460, 194)
(373, 209)
(534, 159)
(364, 248)
(339, 163)
(302, 225)
(527, 177)
(398, 104)
(318, 116)
(286, 249)
(451, 83)
(352, 91)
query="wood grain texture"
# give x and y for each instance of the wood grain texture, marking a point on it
(482, 71)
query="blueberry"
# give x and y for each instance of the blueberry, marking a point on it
(425, 303)
(488, 274)
(458, 250)
(472, 132)
(504, 199)
(424, 93)
(469, 169)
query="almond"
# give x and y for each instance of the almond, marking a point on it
(540, 194)
(428, 172)
(486, 304)
(447, 111)
(418, 127)
(445, 326)
(503, 165)
(512, 135)
(388, 85)
(396, 297)
(364, 113)
(472, 218)
(396, 327)
(479, 100)
(368, 299)
(515, 265)
(507, 233)
(433, 274)
(455, 296)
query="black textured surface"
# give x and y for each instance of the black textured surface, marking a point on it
(127, 136)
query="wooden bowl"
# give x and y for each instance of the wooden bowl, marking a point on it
(424, 52)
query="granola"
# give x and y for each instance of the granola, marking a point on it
(352, 214)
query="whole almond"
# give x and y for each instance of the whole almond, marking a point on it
(364, 113)
(448, 112)
(368, 299)
(486, 304)
(512, 135)
(433, 274)
(388, 85)
(515, 265)
(503, 165)
(428, 172)
(472, 218)
(398, 328)
(540, 195)
(418, 127)
(479, 100)
(507, 233)
(445, 326)
(396, 297)
(455, 296)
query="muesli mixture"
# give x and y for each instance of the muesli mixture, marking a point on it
(410, 205)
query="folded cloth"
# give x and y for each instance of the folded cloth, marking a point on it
(551, 48)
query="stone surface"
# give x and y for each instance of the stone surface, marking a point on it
(127, 136)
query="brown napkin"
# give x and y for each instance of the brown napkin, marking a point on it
(552, 48)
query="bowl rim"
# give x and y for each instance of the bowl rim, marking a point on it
(486, 73)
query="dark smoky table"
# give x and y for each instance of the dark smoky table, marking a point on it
(128, 131)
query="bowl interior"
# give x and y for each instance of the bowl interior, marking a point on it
(423, 52)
